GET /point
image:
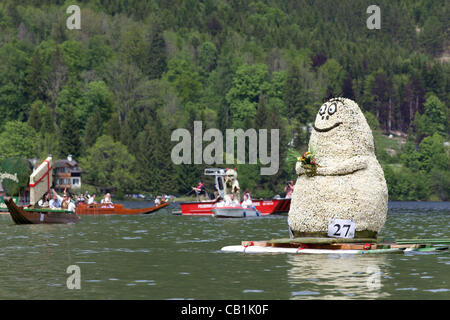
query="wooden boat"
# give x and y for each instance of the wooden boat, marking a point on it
(235, 212)
(339, 246)
(23, 215)
(105, 209)
(265, 207)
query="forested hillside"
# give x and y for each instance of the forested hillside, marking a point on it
(111, 93)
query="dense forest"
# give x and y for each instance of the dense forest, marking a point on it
(112, 92)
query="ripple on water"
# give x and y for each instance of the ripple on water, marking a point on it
(305, 293)
(252, 291)
(437, 290)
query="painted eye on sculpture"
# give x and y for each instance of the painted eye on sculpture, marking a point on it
(322, 109)
(332, 109)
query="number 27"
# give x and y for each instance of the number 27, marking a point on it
(339, 228)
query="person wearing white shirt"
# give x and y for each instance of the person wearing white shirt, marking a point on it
(44, 202)
(91, 199)
(56, 201)
(247, 203)
(231, 202)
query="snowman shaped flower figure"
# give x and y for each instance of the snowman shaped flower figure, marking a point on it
(348, 182)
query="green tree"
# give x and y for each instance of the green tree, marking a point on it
(69, 134)
(185, 79)
(156, 61)
(34, 118)
(13, 82)
(433, 120)
(249, 82)
(432, 154)
(334, 76)
(18, 139)
(109, 164)
(208, 56)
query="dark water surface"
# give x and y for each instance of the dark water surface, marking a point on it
(162, 256)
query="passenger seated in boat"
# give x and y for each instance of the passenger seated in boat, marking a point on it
(67, 203)
(71, 206)
(232, 202)
(92, 199)
(106, 201)
(200, 189)
(80, 198)
(157, 201)
(56, 201)
(44, 202)
(247, 203)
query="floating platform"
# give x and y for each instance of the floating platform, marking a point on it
(235, 212)
(339, 246)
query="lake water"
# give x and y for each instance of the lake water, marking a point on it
(163, 256)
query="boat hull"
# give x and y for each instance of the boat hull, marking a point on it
(102, 209)
(265, 207)
(233, 212)
(252, 249)
(21, 215)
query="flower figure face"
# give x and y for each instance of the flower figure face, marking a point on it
(328, 117)
(340, 129)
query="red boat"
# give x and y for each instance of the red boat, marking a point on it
(199, 208)
(99, 208)
(266, 207)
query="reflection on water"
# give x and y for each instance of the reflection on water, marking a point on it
(338, 276)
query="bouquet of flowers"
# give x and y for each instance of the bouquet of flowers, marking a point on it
(309, 162)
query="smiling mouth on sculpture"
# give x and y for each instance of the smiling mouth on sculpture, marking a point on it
(337, 124)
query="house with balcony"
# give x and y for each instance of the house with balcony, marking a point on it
(67, 174)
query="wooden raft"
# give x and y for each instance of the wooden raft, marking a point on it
(353, 244)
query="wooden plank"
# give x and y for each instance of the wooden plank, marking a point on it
(307, 240)
(423, 241)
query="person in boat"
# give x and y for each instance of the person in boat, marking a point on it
(71, 206)
(92, 199)
(289, 189)
(80, 199)
(67, 203)
(158, 200)
(200, 189)
(106, 201)
(56, 201)
(232, 202)
(86, 196)
(247, 203)
(45, 201)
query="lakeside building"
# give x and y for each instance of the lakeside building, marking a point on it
(67, 174)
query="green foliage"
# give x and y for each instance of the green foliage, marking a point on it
(186, 81)
(17, 139)
(109, 164)
(137, 70)
(334, 76)
(13, 85)
(433, 120)
(15, 166)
